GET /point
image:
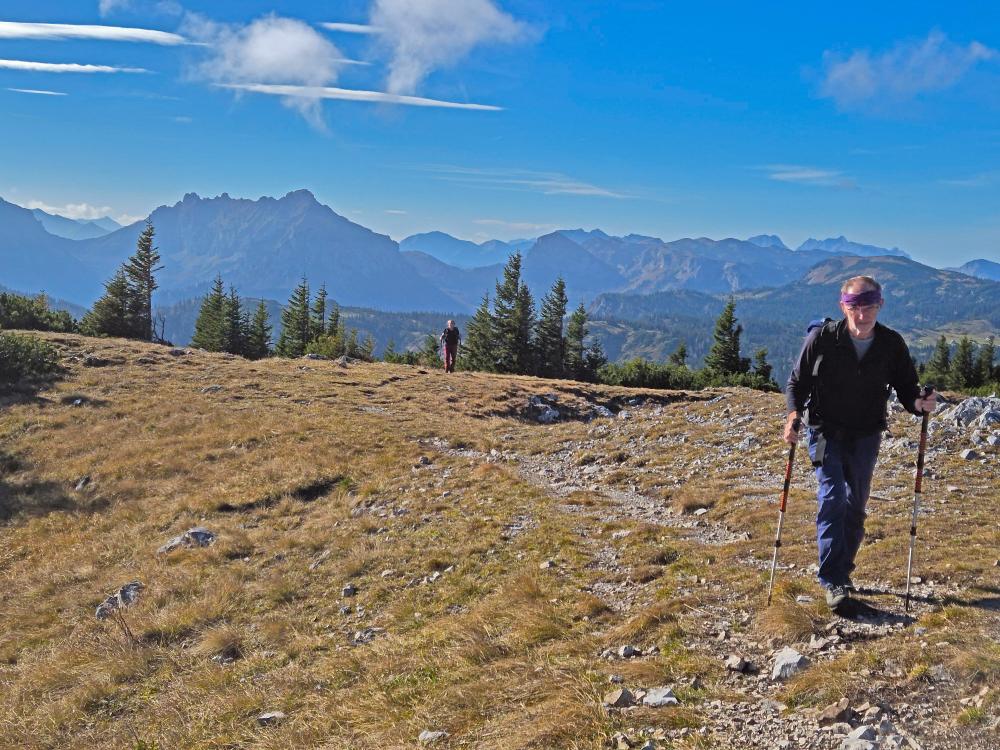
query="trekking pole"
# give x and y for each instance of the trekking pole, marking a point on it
(927, 390)
(781, 510)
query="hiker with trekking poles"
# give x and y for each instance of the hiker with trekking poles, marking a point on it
(450, 339)
(839, 389)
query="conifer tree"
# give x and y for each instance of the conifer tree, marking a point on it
(210, 327)
(984, 362)
(110, 314)
(318, 314)
(235, 324)
(295, 323)
(508, 318)
(550, 344)
(938, 368)
(680, 355)
(524, 361)
(367, 350)
(724, 356)
(259, 334)
(575, 364)
(140, 269)
(479, 348)
(963, 365)
(761, 367)
(333, 326)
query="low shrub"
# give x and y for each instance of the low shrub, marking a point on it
(25, 357)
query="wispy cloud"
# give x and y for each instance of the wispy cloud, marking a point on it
(270, 51)
(42, 67)
(516, 226)
(17, 30)
(546, 183)
(983, 179)
(902, 73)
(396, 212)
(110, 6)
(71, 210)
(425, 35)
(42, 92)
(315, 93)
(352, 28)
(801, 175)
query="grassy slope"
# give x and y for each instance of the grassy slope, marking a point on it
(496, 651)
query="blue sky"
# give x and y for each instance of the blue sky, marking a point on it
(877, 121)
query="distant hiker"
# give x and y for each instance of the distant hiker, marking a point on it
(839, 386)
(450, 339)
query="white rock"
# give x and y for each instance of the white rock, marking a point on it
(427, 737)
(270, 718)
(659, 696)
(864, 732)
(787, 662)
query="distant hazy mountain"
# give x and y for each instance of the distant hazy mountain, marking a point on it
(843, 246)
(264, 247)
(465, 285)
(456, 252)
(767, 240)
(75, 229)
(981, 269)
(32, 260)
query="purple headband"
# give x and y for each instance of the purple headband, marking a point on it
(862, 299)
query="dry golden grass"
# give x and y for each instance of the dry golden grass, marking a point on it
(310, 475)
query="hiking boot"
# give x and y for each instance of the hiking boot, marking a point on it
(836, 595)
(849, 585)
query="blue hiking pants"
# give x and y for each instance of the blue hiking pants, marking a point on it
(845, 479)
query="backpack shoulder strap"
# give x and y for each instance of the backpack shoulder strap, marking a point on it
(824, 338)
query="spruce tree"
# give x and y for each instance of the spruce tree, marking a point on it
(680, 355)
(333, 326)
(295, 323)
(140, 269)
(235, 324)
(317, 317)
(110, 314)
(984, 362)
(550, 344)
(511, 323)
(761, 367)
(724, 356)
(210, 327)
(524, 362)
(479, 347)
(575, 363)
(963, 365)
(938, 369)
(259, 334)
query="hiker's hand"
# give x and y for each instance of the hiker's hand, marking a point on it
(925, 405)
(792, 425)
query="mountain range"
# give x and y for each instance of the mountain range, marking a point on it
(264, 247)
(75, 229)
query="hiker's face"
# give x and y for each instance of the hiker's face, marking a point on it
(860, 318)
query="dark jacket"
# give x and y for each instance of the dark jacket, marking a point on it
(451, 337)
(845, 394)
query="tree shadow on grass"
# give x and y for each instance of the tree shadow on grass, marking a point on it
(34, 499)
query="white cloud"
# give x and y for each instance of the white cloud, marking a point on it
(72, 210)
(983, 179)
(425, 35)
(126, 219)
(809, 176)
(41, 67)
(547, 183)
(43, 92)
(270, 50)
(517, 226)
(352, 28)
(396, 212)
(906, 71)
(17, 30)
(313, 94)
(110, 6)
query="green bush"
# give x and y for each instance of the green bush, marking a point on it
(32, 314)
(25, 357)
